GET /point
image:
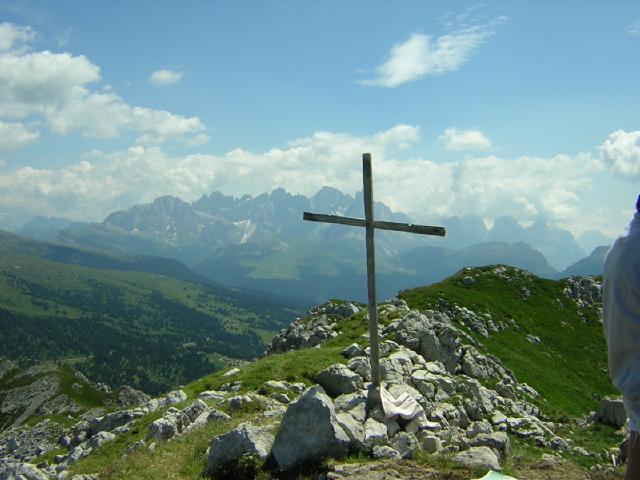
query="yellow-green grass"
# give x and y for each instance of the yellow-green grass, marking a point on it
(568, 367)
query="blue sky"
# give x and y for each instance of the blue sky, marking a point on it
(514, 108)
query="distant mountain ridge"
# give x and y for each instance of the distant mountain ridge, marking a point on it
(262, 243)
(591, 265)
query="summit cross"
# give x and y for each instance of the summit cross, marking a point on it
(370, 224)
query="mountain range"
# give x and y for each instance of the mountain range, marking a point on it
(262, 243)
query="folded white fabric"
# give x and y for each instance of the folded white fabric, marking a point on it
(405, 406)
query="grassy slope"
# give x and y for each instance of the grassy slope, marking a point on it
(58, 310)
(566, 369)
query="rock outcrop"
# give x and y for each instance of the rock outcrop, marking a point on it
(245, 439)
(316, 328)
(309, 431)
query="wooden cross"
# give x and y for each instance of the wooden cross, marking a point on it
(370, 224)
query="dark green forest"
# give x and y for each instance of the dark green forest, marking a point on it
(147, 330)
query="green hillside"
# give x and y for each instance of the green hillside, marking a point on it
(124, 327)
(567, 368)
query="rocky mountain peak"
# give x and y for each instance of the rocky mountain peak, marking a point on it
(215, 202)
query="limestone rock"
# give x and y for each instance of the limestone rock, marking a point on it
(174, 397)
(353, 350)
(196, 409)
(354, 404)
(385, 451)
(375, 433)
(245, 439)
(22, 402)
(130, 396)
(405, 444)
(337, 379)
(477, 457)
(309, 431)
(611, 412)
(212, 395)
(497, 441)
(361, 366)
(353, 428)
(232, 372)
(217, 416)
(24, 443)
(100, 438)
(168, 426)
(429, 442)
(468, 281)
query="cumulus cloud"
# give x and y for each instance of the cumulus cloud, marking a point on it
(163, 78)
(489, 186)
(61, 89)
(11, 35)
(422, 55)
(634, 29)
(621, 151)
(15, 135)
(455, 139)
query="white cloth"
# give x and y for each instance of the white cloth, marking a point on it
(405, 406)
(621, 312)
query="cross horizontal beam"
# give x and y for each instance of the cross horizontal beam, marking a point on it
(358, 222)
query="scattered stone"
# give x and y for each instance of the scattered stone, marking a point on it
(309, 431)
(611, 412)
(238, 402)
(280, 397)
(100, 438)
(405, 444)
(337, 379)
(245, 439)
(217, 416)
(375, 433)
(136, 446)
(468, 281)
(130, 396)
(582, 451)
(429, 442)
(232, 372)
(534, 339)
(482, 458)
(386, 452)
(361, 366)
(353, 350)
(212, 395)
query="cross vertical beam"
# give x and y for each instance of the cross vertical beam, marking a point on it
(371, 224)
(371, 269)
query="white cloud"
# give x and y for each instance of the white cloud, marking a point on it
(634, 29)
(455, 139)
(621, 151)
(11, 34)
(422, 55)
(489, 186)
(15, 135)
(59, 88)
(162, 78)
